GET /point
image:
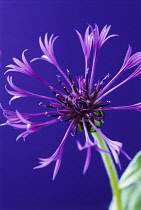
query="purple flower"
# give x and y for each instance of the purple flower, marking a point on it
(18, 93)
(78, 103)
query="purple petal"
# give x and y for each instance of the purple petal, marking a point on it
(114, 146)
(88, 159)
(57, 156)
(56, 169)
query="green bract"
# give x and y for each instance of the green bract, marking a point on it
(96, 122)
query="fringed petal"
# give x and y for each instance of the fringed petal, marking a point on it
(57, 156)
(115, 146)
(98, 40)
(18, 92)
(87, 161)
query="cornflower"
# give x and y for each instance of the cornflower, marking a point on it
(79, 103)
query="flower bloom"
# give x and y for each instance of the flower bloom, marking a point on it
(78, 102)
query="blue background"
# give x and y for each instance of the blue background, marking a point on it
(21, 23)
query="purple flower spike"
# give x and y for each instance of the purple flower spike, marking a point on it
(47, 49)
(29, 126)
(98, 40)
(131, 61)
(101, 38)
(57, 156)
(88, 145)
(22, 67)
(136, 107)
(12, 117)
(86, 44)
(18, 93)
(78, 102)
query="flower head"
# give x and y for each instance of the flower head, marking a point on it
(78, 102)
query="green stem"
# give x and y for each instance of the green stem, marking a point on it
(111, 170)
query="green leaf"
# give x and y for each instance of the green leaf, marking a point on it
(132, 174)
(130, 185)
(130, 198)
